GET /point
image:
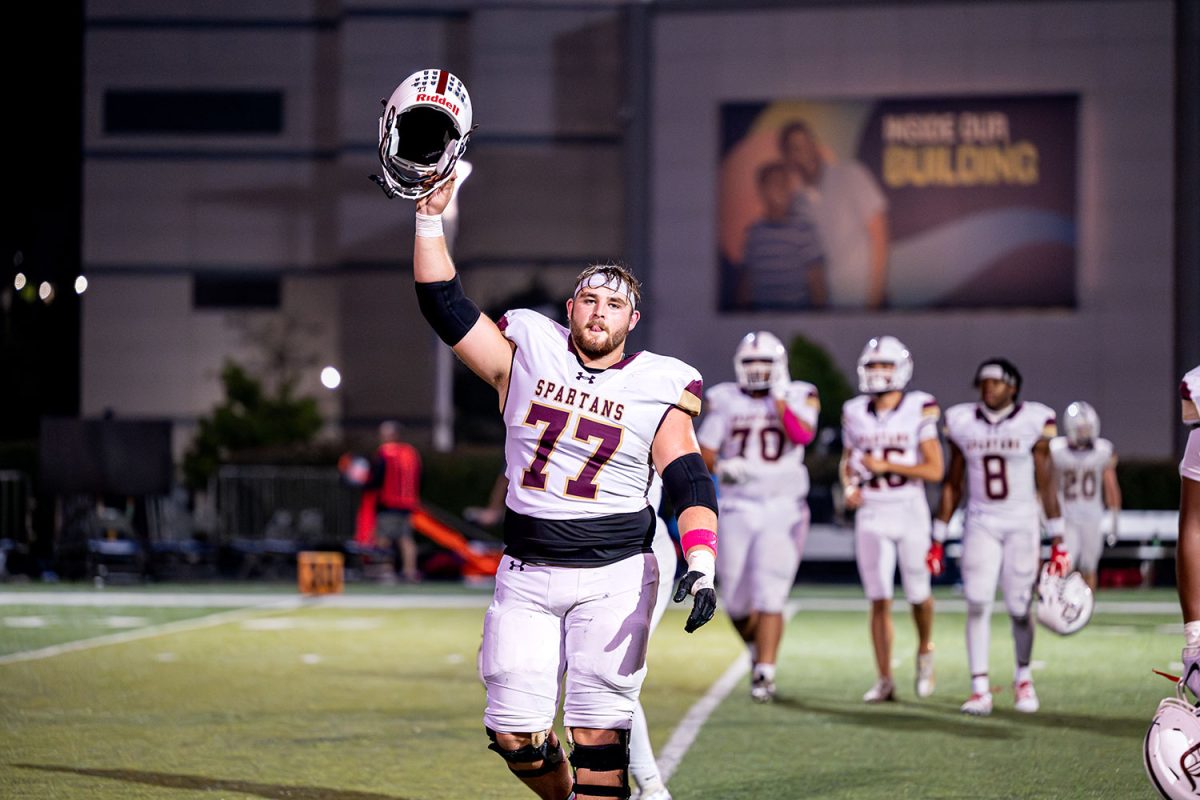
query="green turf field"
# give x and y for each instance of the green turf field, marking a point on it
(383, 704)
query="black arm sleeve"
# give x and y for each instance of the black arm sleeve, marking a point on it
(688, 483)
(450, 312)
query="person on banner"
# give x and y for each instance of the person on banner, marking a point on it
(783, 267)
(891, 449)
(753, 438)
(1000, 453)
(849, 210)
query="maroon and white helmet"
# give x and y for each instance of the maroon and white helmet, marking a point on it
(1171, 751)
(1082, 424)
(882, 350)
(1065, 604)
(423, 131)
(760, 361)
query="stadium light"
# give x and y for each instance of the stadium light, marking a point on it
(19, 281)
(81, 284)
(331, 378)
(46, 292)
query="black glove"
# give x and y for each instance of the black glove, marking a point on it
(704, 605)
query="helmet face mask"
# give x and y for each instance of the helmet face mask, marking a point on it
(885, 365)
(423, 131)
(760, 361)
(1171, 750)
(1082, 425)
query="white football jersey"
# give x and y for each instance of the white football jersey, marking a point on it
(999, 456)
(738, 425)
(895, 435)
(578, 441)
(1079, 476)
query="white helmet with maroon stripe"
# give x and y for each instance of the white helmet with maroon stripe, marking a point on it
(884, 365)
(423, 131)
(760, 361)
(1171, 749)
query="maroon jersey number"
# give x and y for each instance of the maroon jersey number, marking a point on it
(995, 477)
(555, 421)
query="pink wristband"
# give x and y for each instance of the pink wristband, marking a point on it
(699, 536)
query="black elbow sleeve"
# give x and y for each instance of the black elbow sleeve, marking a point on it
(450, 313)
(688, 483)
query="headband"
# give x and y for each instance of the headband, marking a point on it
(606, 280)
(996, 372)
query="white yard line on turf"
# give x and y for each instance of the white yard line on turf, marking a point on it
(689, 727)
(236, 600)
(156, 630)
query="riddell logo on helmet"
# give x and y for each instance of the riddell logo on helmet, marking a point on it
(441, 100)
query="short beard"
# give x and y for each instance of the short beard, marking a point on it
(616, 340)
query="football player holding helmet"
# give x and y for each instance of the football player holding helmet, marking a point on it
(1171, 751)
(1065, 605)
(423, 132)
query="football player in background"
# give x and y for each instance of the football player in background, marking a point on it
(890, 449)
(1187, 562)
(753, 438)
(1000, 448)
(587, 424)
(1085, 476)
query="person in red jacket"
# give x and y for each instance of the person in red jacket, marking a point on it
(390, 496)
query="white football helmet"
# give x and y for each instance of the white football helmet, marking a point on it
(423, 131)
(1082, 424)
(884, 350)
(1065, 605)
(1171, 752)
(760, 361)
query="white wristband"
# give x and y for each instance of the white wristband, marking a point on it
(940, 530)
(1056, 527)
(701, 559)
(429, 225)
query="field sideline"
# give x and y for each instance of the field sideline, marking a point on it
(372, 695)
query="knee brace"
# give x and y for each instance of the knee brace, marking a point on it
(603, 758)
(551, 755)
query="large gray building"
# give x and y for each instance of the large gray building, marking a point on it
(227, 148)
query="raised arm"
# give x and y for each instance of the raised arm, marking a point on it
(457, 321)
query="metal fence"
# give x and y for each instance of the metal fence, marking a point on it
(304, 505)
